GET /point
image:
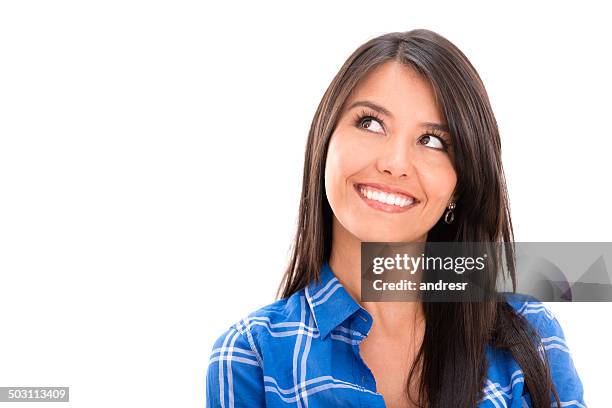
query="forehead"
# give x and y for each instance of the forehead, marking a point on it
(401, 90)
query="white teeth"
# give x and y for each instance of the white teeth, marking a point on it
(390, 199)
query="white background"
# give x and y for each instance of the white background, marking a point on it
(151, 156)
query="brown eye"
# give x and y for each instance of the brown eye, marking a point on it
(432, 141)
(371, 124)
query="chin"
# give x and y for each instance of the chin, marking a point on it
(368, 235)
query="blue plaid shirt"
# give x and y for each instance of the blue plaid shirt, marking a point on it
(303, 351)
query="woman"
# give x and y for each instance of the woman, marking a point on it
(404, 147)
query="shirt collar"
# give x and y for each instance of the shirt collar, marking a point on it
(329, 301)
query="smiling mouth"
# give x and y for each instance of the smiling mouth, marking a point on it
(384, 201)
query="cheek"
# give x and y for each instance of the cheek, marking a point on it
(439, 183)
(343, 160)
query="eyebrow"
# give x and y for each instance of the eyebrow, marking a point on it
(386, 112)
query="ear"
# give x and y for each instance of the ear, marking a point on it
(454, 197)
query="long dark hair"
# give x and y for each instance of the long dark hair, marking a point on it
(451, 360)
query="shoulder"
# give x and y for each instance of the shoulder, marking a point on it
(553, 345)
(254, 330)
(537, 314)
(236, 367)
(542, 319)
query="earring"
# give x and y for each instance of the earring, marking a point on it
(450, 215)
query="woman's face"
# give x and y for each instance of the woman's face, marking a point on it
(386, 140)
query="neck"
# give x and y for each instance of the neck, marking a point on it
(390, 318)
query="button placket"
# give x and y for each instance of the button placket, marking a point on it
(363, 324)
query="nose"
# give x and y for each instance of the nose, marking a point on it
(397, 158)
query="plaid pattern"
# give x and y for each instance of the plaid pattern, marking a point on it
(303, 352)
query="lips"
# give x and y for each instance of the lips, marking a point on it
(387, 189)
(403, 202)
